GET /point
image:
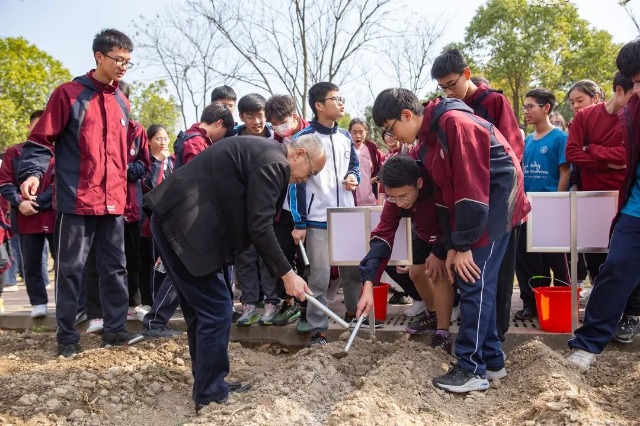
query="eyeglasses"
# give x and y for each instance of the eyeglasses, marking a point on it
(451, 86)
(338, 99)
(402, 199)
(311, 174)
(121, 63)
(389, 133)
(529, 107)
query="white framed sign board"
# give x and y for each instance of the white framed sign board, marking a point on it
(573, 222)
(349, 230)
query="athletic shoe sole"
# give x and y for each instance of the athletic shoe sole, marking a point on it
(499, 374)
(473, 384)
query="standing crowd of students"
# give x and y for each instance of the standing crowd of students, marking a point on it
(458, 165)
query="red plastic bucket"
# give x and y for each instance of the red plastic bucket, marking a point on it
(554, 308)
(380, 298)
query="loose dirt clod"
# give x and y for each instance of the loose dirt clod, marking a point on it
(377, 384)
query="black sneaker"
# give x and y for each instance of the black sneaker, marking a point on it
(233, 387)
(68, 350)
(526, 314)
(81, 317)
(400, 298)
(163, 332)
(349, 319)
(422, 324)
(442, 339)
(459, 380)
(120, 338)
(317, 339)
(378, 323)
(627, 328)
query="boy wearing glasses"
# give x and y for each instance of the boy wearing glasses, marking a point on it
(545, 169)
(332, 187)
(479, 195)
(494, 107)
(86, 120)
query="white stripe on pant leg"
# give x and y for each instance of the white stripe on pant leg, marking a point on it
(480, 309)
(161, 303)
(55, 284)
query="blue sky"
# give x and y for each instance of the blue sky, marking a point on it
(65, 28)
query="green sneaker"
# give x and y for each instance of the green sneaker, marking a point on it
(287, 315)
(249, 316)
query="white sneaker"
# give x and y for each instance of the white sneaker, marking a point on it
(10, 288)
(584, 296)
(39, 311)
(417, 308)
(137, 313)
(498, 374)
(581, 359)
(455, 313)
(95, 325)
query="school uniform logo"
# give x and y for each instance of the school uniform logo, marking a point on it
(544, 149)
(347, 155)
(442, 153)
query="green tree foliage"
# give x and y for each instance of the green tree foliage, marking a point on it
(344, 121)
(151, 104)
(29, 76)
(520, 45)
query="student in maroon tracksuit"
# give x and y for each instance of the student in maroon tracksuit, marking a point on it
(480, 198)
(87, 122)
(454, 79)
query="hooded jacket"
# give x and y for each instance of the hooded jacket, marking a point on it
(479, 184)
(309, 201)
(87, 121)
(138, 167)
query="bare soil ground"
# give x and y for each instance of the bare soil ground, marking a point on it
(376, 384)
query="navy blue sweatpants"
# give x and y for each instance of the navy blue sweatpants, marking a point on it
(618, 277)
(74, 235)
(32, 248)
(206, 306)
(478, 345)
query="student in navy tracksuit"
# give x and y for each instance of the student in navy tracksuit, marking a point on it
(480, 198)
(34, 222)
(619, 275)
(87, 122)
(215, 121)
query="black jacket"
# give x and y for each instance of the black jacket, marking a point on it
(224, 200)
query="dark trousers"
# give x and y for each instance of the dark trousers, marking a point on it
(164, 305)
(89, 300)
(132, 255)
(35, 272)
(146, 268)
(206, 305)
(478, 345)
(506, 276)
(529, 265)
(283, 228)
(618, 277)
(74, 236)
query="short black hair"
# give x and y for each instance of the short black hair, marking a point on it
(622, 81)
(154, 129)
(543, 97)
(125, 88)
(400, 170)
(279, 107)
(359, 121)
(318, 92)
(451, 61)
(107, 39)
(628, 60)
(35, 114)
(390, 103)
(216, 111)
(223, 92)
(478, 80)
(253, 102)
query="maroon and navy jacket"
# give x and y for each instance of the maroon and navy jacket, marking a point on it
(425, 225)
(630, 121)
(44, 221)
(494, 107)
(479, 183)
(160, 170)
(190, 143)
(137, 169)
(87, 121)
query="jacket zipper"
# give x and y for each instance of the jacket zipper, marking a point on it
(335, 170)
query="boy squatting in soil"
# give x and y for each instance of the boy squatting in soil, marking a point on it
(479, 192)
